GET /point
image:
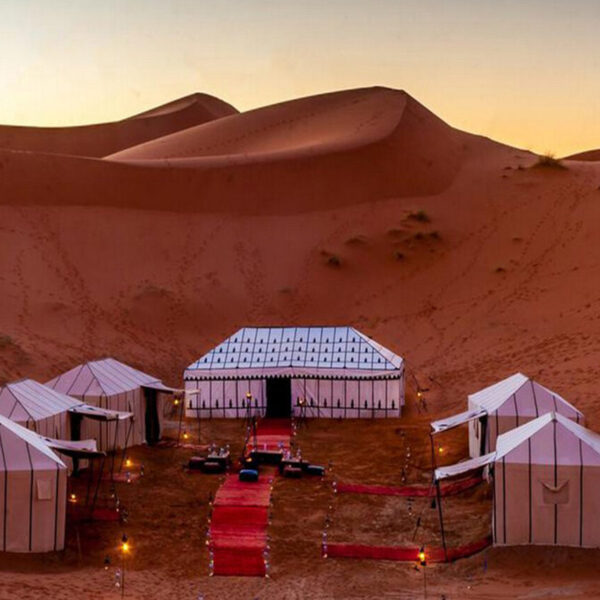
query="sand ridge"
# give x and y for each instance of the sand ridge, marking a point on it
(101, 139)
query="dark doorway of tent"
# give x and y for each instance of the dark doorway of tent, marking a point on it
(279, 398)
(151, 417)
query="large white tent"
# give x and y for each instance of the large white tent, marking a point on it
(503, 406)
(33, 490)
(53, 414)
(309, 371)
(115, 386)
(546, 478)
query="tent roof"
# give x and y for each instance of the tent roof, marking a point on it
(493, 397)
(259, 348)
(30, 400)
(106, 377)
(511, 439)
(23, 450)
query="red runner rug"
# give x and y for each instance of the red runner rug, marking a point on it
(446, 489)
(238, 526)
(399, 553)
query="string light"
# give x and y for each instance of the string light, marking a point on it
(185, 435)
(73, 498)
(176, 401)
(127, 462)
(125, 547)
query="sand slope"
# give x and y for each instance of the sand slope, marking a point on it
(316, 153)
(99, 140)
(591, 155)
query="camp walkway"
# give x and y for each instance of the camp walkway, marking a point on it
(238, 527)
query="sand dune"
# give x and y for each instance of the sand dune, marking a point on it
(591, 155)
(101, 139)
(315, 153)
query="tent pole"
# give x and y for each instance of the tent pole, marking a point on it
(89, 485)
(125, 445)
(114, 450)
(433, 461)
(439, 503)
(98, 485)
(180, 420)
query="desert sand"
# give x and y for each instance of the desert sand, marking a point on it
(359, 207)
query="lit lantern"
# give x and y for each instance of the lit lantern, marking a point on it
(127, 462)
(73, 498)
(186, 435)
(125, 547)
(422, 557)
(176, 401)
(441, 450)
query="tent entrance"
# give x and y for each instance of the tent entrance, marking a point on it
(279, 398)
(151, 416)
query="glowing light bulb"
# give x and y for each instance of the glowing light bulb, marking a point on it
(176, 401)
(185, 435)
(73, 498)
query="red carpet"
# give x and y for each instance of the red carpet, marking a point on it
(399, 553)
(446, 489)
(238, 527)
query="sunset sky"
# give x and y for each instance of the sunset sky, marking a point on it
(525, 72)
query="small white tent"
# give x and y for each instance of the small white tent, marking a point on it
(33, 492)
(503, 406)
(546, 477)
(115, 386)
(311, 371)
(54, 415)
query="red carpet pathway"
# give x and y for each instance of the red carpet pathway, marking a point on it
(238, 528)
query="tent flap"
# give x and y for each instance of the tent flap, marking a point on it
(464, 467)
(159, 387)
(100, 414)
(456, 420)
(75, 449)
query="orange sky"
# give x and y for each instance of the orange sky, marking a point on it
(524, 72)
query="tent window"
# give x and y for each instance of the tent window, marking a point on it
(325, 402)
(230, 403)
(555, 494)
(351, 403)
(365, 404)
(44, 489)
(379, 404)
(216, 404)
(203, 403)
(393, 404)
(338, 403)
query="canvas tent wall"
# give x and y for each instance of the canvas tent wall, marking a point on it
(115, 386)
(313, 371)
(503, 406)
(33, 491)
(546, 478)
(53, 414)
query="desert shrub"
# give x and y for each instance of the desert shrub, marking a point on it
(500, 270)
(549, 161)
(435, 235)
(398, 255)
(419, 215)
(5, 341)
(334, 261)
